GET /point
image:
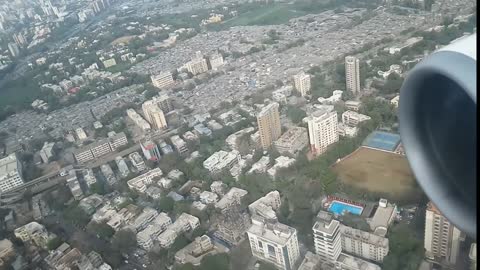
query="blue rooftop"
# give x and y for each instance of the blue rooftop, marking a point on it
(382, 140)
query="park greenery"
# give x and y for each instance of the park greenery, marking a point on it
(54, 243)
(405, 249)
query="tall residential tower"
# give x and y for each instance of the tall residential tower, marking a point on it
(352, 74)
(442, 238)
(269, 125)
(322, 129)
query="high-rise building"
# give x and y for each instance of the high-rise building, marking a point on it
(326, 236)
(164, 102)
(137, 119)
(352, 74)
(162, 80)
(269, 125)
(74, 185)
(14, 50)
(322, 129)
(150, 150)
(442, 238)
(274, 243)
(216, 61)
(10, 173)
(154, 115)
(19, 39)
(232, 225)
(302, 83)
(197, 65)
(363, 244)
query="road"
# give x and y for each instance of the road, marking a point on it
(111, 156)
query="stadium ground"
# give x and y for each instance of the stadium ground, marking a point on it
(379, 172)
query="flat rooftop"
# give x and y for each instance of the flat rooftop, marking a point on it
(278, 233)
(8, 164)
(381, 217)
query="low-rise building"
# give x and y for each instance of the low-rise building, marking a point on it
(6, 249)
(310, 262)
(293, 141)
(175, 174)
(347, 131)
(202, 130)
(91, 203)
(89, 177)
(195, 251)
(383, 217)
(208, 197)
(33, 231)
(108, 173)
(218, 187)
(47, 151)
(122, 167)
(265, 208)
(233, 196)
(137, 161)
(395, 101)
(334, 98)
(153, 192)
(353, 105)
(221, 160)
(140, 182)
(179, 144)
(280, 162)
(352, 118)
(147, 216)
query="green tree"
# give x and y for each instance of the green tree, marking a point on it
(124, 240)
(266, 266)
(218, 262)
(97, 188)
(405, 249)
(166, 204)
(76, 215)
(103, 230)
(54, 243)
(295, 114)
(187, 266)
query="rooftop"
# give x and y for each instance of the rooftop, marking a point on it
(356, 263)
(275, 232)
(8, 164)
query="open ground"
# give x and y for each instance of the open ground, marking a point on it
(378, 172)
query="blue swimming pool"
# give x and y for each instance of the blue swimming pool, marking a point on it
(340, 208)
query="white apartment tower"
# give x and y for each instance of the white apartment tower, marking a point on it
(322, 130)
(154, 115)
(162, 80)
(352, 74)
(326, 236)
(442, 238)
(216, 61)
(275, 243)
(302, 83)
(10, 173)
(269, 125)
(197, 65)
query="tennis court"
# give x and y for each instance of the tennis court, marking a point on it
(382, 140)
